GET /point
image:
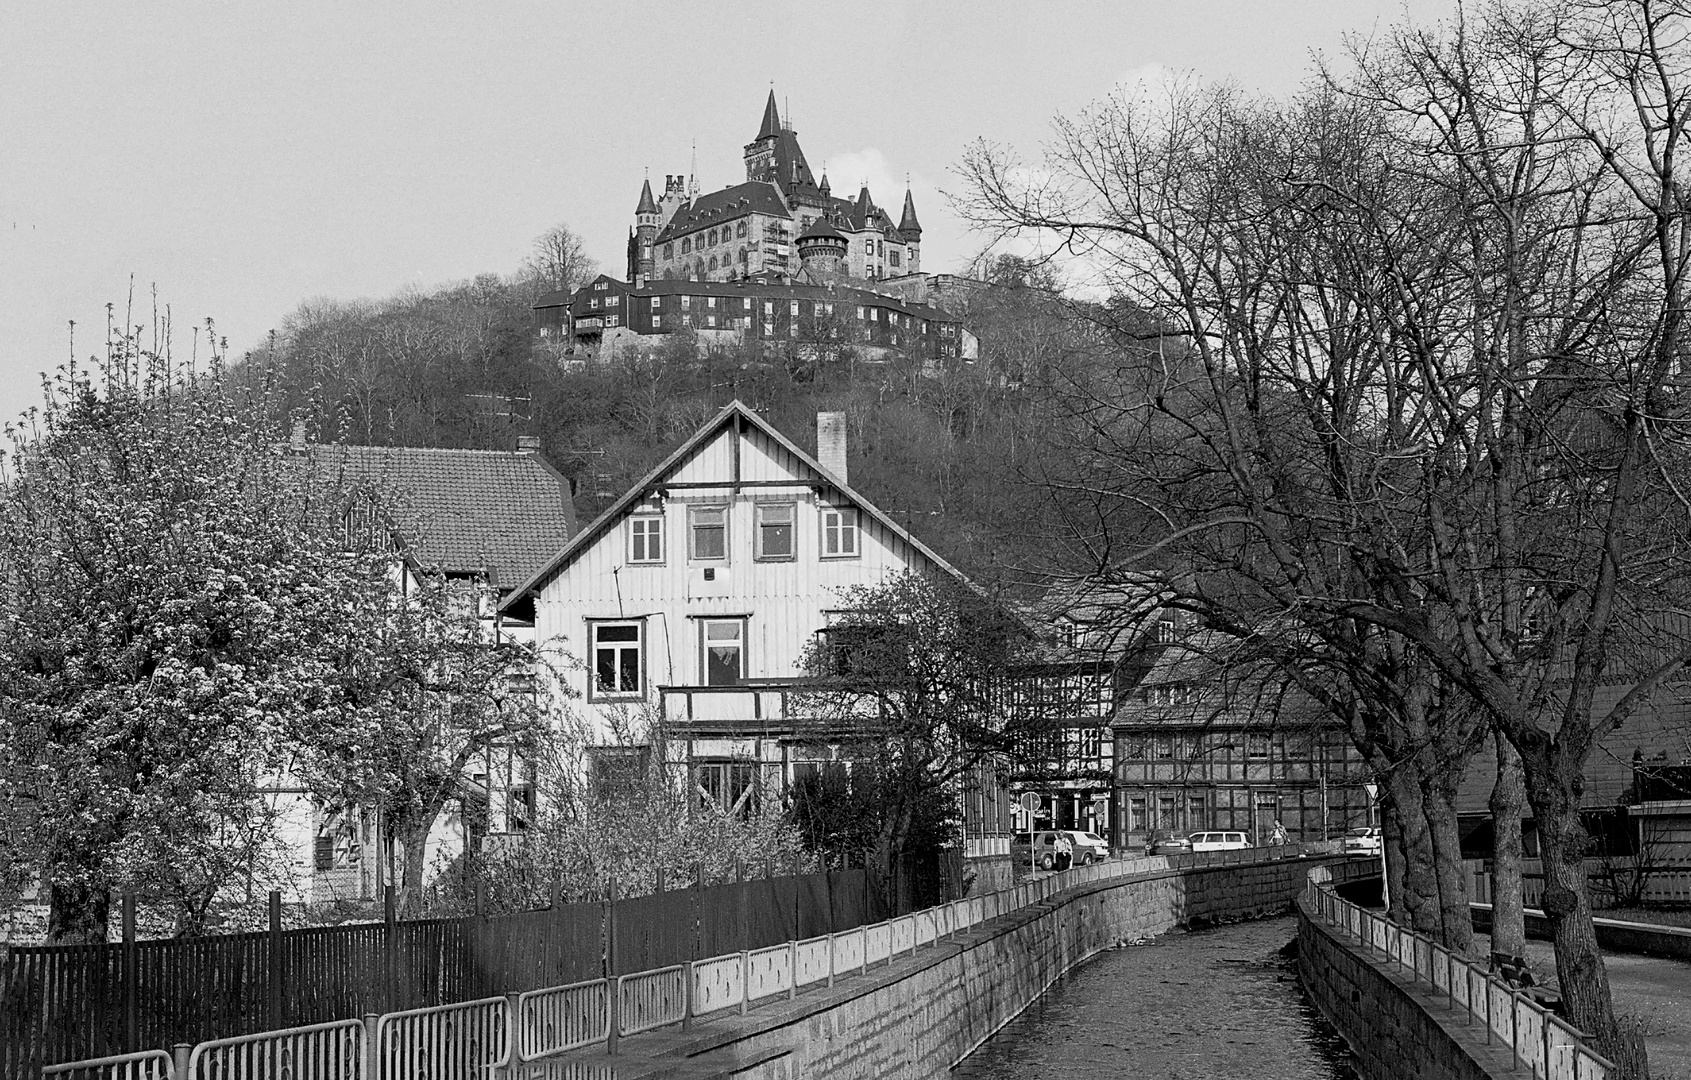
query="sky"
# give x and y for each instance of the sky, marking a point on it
(237, 160)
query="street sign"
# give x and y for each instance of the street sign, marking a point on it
(1031, 801)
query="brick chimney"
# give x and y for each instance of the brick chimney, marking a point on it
(528, 444)
(831, 443)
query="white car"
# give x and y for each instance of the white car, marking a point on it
(1218, 841)
(1362, 842)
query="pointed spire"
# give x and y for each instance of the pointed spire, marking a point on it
(825, 188)
(908, 225)
(771, 119)
(648, 205)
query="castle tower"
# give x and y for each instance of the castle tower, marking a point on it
(911, 230)
(822, 251)
(647, 221)
(760, 152)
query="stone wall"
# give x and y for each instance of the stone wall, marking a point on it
(1393, 1036)
(921, 1014)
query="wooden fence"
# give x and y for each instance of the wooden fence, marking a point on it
(70, 1002)
(1667, 886)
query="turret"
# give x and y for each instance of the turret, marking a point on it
(647, 221)
(911, 230)
(822, 250)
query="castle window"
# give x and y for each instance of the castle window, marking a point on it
(713, 262)
(740, 230)
(742, 255)
(669, 250)
(880, 247)
(892, 257)
(686, 245)
(713, 238)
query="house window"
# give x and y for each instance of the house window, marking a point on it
(745, 303)
(768, 329)
(654, 303)
(617, 659)
(1165, 629)
(860, 311)
(610, 320)
(593, 302)
(727, 785)
(613, 301)
(708, 526)
(839, 532)
(793, 308)
(657, 322)
(869, 246)
(710, 301)
(710, 321)
(722, 651)
(645, 539)
(686, 302)
(775, 529)
(769, 307)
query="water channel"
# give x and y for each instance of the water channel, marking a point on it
(1212, 1003)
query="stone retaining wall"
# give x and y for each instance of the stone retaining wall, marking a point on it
(1387, 1024)
(920, 1015)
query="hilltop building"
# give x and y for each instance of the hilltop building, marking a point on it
(777, 257)
(781, 223)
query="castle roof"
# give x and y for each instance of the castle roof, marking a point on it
(820, 229)
(729, 204)
(908, 223)
(648, 205)
(771, 119)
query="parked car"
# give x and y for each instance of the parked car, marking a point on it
(1167, 843)
(1087, 848)
(1362, 842)
(1218, 841)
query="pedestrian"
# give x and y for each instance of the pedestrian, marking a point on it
(1065, 851)
(1279, 837)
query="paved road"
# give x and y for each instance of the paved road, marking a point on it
(1657, 991)
(1217, 1003)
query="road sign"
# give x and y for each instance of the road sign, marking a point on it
(1032, 801)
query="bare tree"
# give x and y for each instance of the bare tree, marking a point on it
(1435, 313)
(559, 261)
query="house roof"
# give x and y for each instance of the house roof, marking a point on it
(463, 511)
(735, 412)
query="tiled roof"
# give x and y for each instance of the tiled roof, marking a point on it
(908, 223)
(464, 511)
(729, 204)
(648, 205)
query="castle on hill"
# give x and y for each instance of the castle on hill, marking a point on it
(781, 225)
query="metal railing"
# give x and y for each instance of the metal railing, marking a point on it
(478, 1040)
(333, 1050)
(463, 1041)
(144, 1065)
(562, 1018)
(648, 1000)
(1549, 1047)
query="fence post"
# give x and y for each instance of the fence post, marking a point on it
(556, 895)
(179, 1059)
(687, 996)
(792, 970)
(745, 982)
(513, 1030)
(830, 959)
(131, 1016)
(612, 988)
(276, 960)
(390, 948)
(481, 897)
(372, 1053)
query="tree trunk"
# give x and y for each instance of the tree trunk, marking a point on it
(413, 836)
(1414, 889)
(77, 915)
(1508, 804)
(1579, 963)
(1456, 921)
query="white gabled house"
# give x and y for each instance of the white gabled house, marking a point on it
(694, 597)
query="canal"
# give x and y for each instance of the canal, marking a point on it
(1211, 1003)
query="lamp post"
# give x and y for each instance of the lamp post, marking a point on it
(1373, 791)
